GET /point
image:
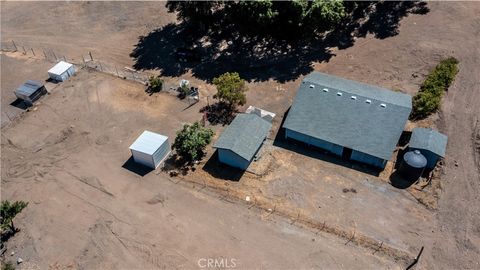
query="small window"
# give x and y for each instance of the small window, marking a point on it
(383, 105)
(353, 97)
(368, 101)
(325, 90)
(339, 94)
(312, 86)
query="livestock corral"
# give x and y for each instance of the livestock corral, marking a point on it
(290, 206)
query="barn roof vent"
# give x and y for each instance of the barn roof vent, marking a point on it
(368, 101)
(312, 86)
(353, 97)
(339, 94)
(325, 90)
(383, 105)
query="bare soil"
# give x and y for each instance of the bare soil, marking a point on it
(87, 211)
(72, 161)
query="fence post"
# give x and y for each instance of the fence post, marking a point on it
(64, 58)
(84, 64)
(101, 68)
(24, 52)
(44, 54)
(116, 70)
(56, 59)
(32, 51)
(91, 58)
(14, 45)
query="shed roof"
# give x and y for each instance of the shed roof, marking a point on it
(148, 142)
(28, 88)
(365, 118)
(244, 135)
(429, 139)
(60, 68)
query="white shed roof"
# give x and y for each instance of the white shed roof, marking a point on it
(60, 68)
(148, 142)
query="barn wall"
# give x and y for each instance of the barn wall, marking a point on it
(368, 159)
(333, 148)
(143, 158)
(161, 153)
(232, 159)
(431, 157)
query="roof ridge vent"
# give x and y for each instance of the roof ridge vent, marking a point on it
(383, 105)
(368, 101)
(312, 86)
(353, 97)
(325, 89)
(339, 94)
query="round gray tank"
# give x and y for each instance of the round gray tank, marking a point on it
(413, 165)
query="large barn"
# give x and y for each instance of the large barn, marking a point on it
(350, 119)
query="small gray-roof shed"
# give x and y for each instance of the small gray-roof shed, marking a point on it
(28, 88)
(244, 135)
(429, 139)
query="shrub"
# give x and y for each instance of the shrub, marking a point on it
(155, 84)
(191, 141)
(428, 99)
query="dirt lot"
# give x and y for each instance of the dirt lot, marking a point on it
(450, 234)
(86, 211)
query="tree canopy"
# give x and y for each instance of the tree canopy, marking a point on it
(8, 212)
(230, 89)
(191, 141)
(284, 18)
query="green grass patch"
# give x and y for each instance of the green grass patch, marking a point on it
(428, 99)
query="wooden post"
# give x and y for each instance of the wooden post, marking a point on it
(14, 45)
(84, 64)
(24, 52)
(32, 51)
(54, 55)
(91, 57)
(64, 58)
(101, 68)
(116, 70)
(44, 54)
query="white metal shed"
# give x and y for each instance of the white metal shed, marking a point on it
(61, 71)
(150, 149)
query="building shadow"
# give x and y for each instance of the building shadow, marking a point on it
(222, 171)
(319, 153)
(398, 181)
(136, 168)
(20, 104)
(228, 47)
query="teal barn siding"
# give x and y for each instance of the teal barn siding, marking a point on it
(330, 147)
(230, 158)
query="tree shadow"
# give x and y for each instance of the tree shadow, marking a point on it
(219, 113)
(227, 48)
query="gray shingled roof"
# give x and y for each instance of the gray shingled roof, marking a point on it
(428, 139)
(365, 118)
(28, 88)
(244, 135)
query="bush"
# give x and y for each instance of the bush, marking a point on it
(8, 266)
(191, 141)
(155, 84)
(428, 99)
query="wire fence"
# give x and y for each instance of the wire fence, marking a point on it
(87, 60)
